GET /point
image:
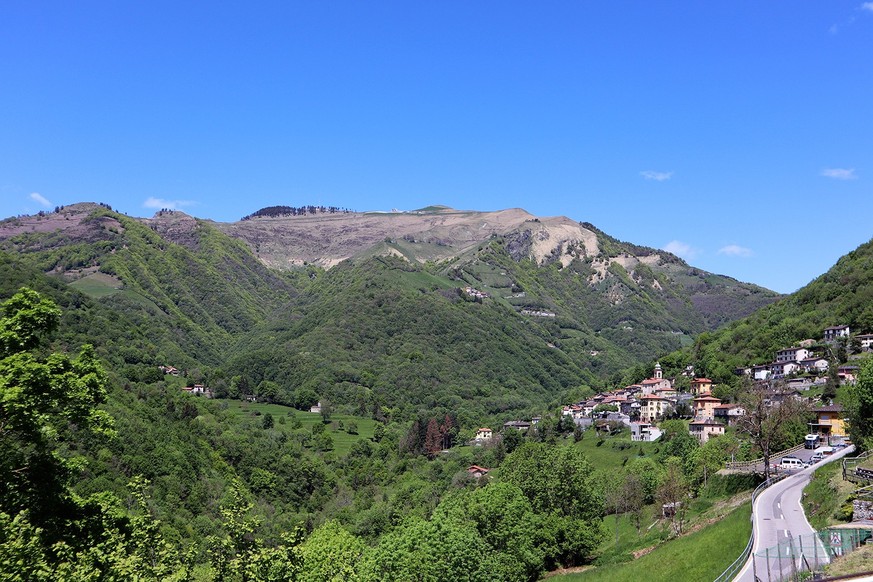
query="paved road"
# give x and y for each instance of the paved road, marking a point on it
(779, 518)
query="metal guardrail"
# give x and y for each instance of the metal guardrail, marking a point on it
(864, 493)
(736, 465)
(737, 564)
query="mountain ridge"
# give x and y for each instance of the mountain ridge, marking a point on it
(582, 301)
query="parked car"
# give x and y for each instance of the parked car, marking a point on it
(789, 463)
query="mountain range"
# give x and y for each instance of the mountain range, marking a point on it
(429, 308)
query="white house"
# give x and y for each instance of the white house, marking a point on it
(782, 369)
(761, 372)
(814, 365)
(792, 354)
(831, 334)
(484, 434)
(644, 432)
(866, 340)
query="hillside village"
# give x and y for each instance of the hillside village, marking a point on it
(793, 372)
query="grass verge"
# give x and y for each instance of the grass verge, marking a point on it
(702, 555)
(825, 497)
(861, 560)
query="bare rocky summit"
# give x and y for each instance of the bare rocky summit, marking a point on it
(436, 234)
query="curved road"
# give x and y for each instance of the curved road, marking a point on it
(779, 518)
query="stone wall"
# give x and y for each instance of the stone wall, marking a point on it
(862, 510)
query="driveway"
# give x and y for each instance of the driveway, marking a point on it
(779, 518)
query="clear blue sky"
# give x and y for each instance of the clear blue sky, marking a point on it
(738, 134)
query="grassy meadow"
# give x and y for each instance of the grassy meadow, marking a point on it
(290, 420)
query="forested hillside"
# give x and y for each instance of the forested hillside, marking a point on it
(186, 300)
(384, 332)
(842, 296)
(555, 306)
(407, 357)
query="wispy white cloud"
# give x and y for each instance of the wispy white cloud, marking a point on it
(840, 173)
(681, 249)
(735, 251)
(160, 203)
(39, 198)
(657, 176)
(868, 6)
(835, 28)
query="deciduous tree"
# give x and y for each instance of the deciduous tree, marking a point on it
(860, 407)
(769, 410)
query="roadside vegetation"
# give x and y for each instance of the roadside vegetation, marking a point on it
(701, 555)
(827, 499)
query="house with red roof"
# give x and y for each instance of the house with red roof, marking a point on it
(704, 406)
(653, 407)
(477, 471)
(701, 386)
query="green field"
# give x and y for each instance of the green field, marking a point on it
(702, 555)
(342, 440)
(614, 451)
(97, 285)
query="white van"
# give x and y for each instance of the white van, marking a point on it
(791, 463)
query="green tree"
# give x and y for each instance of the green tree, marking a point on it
(47, 406)
(44, 405)
(505, 520)
(766, 420)
(429, 551)
(677, 441)
(268, 421)
(633, 488)
(331, 554)
(237, 555)
(267, 390)
(860, 407)
(512, 438)
(560, 483)
(650, 473)
(707, 459)
(326, 411)
(673, 494)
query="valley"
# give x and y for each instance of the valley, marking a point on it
(312, 392)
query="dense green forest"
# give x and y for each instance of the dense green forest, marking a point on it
(103, 477)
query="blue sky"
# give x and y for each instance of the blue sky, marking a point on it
(737, 134)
